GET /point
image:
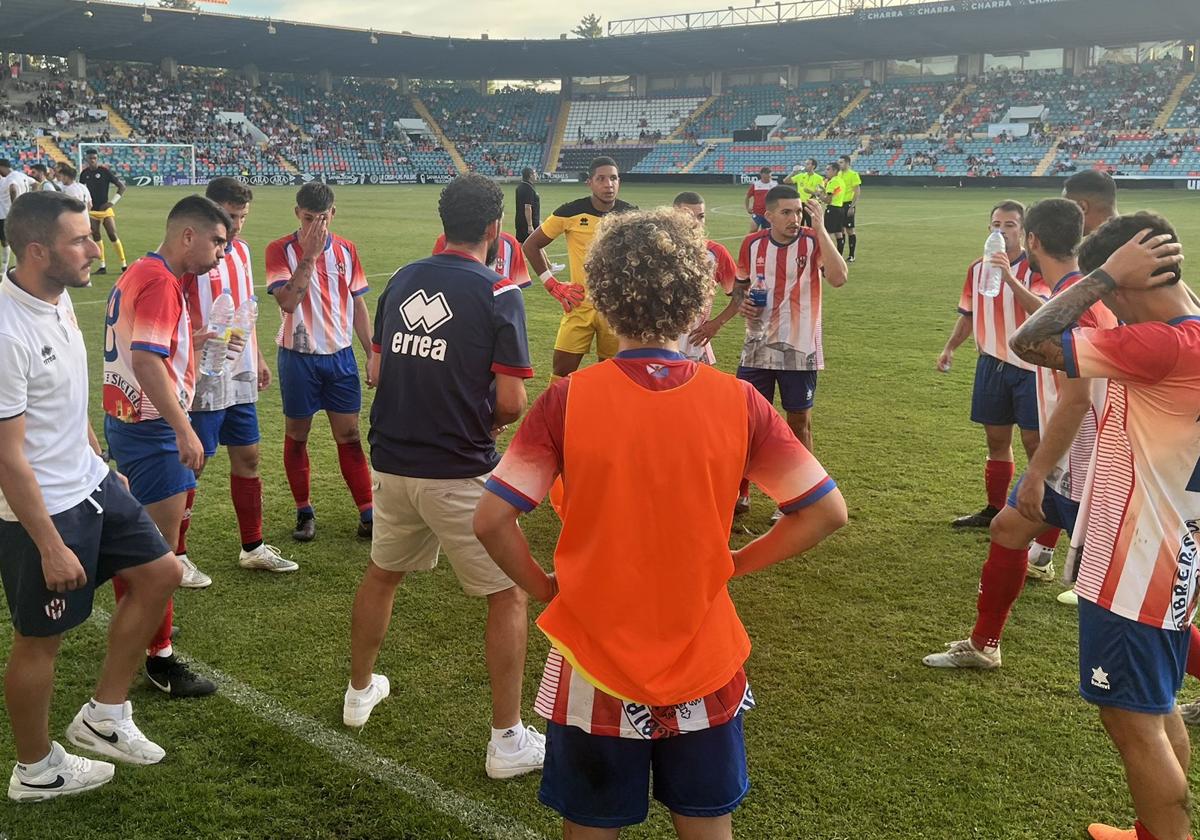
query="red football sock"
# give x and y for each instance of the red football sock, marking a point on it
(744, 488)
(1048, 538)
(1000, 584)
(355, 471)
(295, 464)
(1193, 660)
(1143, 833)
(247, 505)
(186, 522)
(162, 636)
(997, 475)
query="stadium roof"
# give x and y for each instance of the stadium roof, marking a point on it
(116, 31)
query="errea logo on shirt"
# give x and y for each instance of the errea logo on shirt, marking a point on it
(48, 354)
(425, 312)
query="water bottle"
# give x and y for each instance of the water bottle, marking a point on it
(756, 327)
(220, 319)
(990, 279)
(243, 322)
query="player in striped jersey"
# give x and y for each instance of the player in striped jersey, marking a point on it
(1005, 391)
(724, 274)
(149, 380)
(1048, 494)
(509, 262)
(1141, 509)
(223, 409)
(756, 199)
(317, 280)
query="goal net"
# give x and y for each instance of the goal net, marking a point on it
(145, 164)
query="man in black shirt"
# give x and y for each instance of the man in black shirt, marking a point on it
(98, 179)
(529, 205)
(450, 362)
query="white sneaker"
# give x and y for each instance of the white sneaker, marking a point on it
(193, 578)
(964, 654)
(357, 707)
(557, 267)
(67, 774)
(119, 739)
(267, 558)
(1190, 712)
(1069, 598)
(777, 515)
(1041, 563)
(506, 765)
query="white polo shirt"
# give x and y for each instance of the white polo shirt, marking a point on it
(45, 377)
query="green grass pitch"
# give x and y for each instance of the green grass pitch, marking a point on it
(853, 737)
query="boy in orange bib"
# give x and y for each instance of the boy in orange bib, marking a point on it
(645, 674)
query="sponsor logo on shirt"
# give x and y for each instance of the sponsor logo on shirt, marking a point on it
(1185, 575)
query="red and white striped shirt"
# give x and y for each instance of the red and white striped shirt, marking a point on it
(1069, 473)
(996, 319)
(724, 274)
(1141, 506)
(234, 276)
(323, 323)
(792, 274)
(509, 262)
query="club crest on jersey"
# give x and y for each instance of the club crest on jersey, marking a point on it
(55, 608)
(1183, 590)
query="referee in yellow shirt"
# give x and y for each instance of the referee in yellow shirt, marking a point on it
(853, 184)
(578, 220)
(809, 184)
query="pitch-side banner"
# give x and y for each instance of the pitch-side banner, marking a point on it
(949, 8)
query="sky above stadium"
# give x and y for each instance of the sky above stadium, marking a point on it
(466, 18)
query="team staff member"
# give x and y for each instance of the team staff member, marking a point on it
(1137, 587)
(646, 667)
(149, 380)
(756, 199)
(224, 409)
(1005, 390)
(451, 362)
(98, 179)
(529, 205)
(318, 281)
(852, 181)
(578, 219)
(67, 523)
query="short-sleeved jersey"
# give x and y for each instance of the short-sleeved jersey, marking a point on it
(97, 182)
(579, 220)
(851, 180)
(445, 327)
(775, 460)
(78, 192)
(233, 275)
(835, 187)
(995, 320)
(758, 190)
(1141, 504)
(45, 381)
(724, 275)
(526, 194)
(793, 278)
(1067, 477)
(146, 311)
(509, 262)
(12, 186)
(323, 322)
(807, 184)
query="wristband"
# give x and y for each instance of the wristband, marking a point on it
(115, 199)
(546, 275)
(1105, 278)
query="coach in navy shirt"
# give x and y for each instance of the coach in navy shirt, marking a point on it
(451, 362)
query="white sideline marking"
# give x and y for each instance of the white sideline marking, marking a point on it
(476, 816)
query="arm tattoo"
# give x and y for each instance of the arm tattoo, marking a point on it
(1039, 340)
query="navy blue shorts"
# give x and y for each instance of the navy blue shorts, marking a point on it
(761, 221)
(233, 426)
(148, 455)
(797, 388)
(1057, 509)
(1004, 394)
(601, 781)
(1129, 665)
(312, 382)
(108, 531)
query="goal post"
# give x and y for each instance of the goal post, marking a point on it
(151, 163)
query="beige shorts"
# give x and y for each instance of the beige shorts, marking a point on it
(416, 516)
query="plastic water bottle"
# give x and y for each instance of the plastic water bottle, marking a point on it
(756, 327)
(990, 279)
(243, 322)
(220, 319)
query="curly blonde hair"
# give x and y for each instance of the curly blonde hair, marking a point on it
(649, 274)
